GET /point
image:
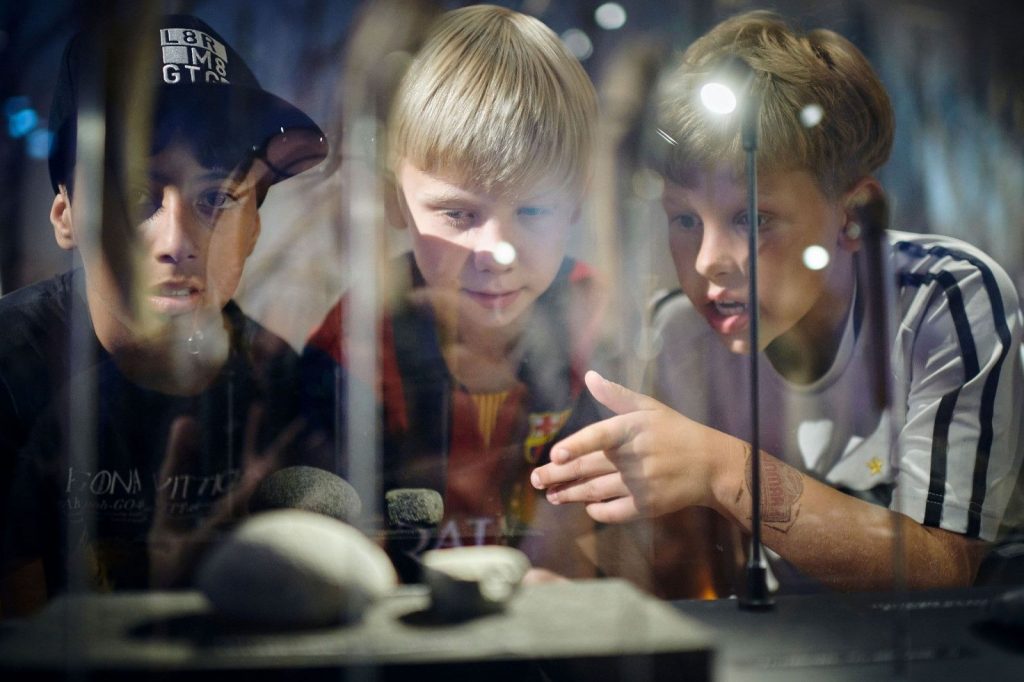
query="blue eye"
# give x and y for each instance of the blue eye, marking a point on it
(533, 211)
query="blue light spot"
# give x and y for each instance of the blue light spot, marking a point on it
(22, 123)
(15, 104)
(38, 143)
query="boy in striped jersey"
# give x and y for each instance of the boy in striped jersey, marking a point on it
(841, 471)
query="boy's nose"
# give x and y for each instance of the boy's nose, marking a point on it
(722, 254)
(493, 250)
(175, 238)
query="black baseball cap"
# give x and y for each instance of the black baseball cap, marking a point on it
(205, 93)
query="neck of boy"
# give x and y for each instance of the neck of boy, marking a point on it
(807, 351)
(161, 358)
(484, 359)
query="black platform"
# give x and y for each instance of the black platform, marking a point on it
(591, 630)
(936, 636)
(604, 630)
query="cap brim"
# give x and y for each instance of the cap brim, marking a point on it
(277, 132)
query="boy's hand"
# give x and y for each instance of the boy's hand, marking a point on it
(174, 550)
(647, 460)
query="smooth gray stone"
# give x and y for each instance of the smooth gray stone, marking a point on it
(295, 568)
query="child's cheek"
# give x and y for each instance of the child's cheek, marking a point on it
(440, 260)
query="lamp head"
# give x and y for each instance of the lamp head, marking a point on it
(718, 97)
(729, 87)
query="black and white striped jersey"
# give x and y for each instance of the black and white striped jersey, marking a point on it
(946, 453)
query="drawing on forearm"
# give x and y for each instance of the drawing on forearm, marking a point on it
(781, 489)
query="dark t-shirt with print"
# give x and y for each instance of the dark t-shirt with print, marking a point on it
(90, 461)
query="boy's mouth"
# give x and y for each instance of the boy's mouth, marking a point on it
(175, 298)
(727, 316)
(493, 300)
(730, 307)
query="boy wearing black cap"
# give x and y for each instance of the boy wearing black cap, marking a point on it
(176, 385)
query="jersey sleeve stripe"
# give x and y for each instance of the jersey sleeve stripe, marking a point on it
(947, 405)
(972, 367)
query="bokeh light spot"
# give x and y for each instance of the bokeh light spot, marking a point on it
(811, 115)
(610, 16)
(718, 98)
(504, 253)
(816, 257)
(578, 43)
(38, 143)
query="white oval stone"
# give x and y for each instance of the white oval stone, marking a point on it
(295, 568)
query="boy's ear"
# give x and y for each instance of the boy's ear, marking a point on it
(394, 207)
(853, 200)
(60, 218)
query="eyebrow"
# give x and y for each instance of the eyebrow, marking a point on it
(215, 174)
(546, 197)
(447, 195)
(457, 194)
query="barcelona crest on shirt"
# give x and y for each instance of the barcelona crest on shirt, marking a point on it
(544, 426)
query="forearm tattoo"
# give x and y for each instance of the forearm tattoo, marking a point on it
(782, 486)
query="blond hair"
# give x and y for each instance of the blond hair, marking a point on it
(496, 100)
(793, 74)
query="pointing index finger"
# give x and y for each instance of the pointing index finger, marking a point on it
(606, 435)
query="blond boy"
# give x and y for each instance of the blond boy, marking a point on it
(489, 146)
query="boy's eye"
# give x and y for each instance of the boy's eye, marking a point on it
(458, 217)
(534, 211)
(149, 202)
(686, 221)
(215, 200)
(762, 219)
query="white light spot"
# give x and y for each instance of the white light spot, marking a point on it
(504, 253)
(578, 43)
(718, 98)
(815, 257)
(811, 115)
(610, 16)
(668, 138)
